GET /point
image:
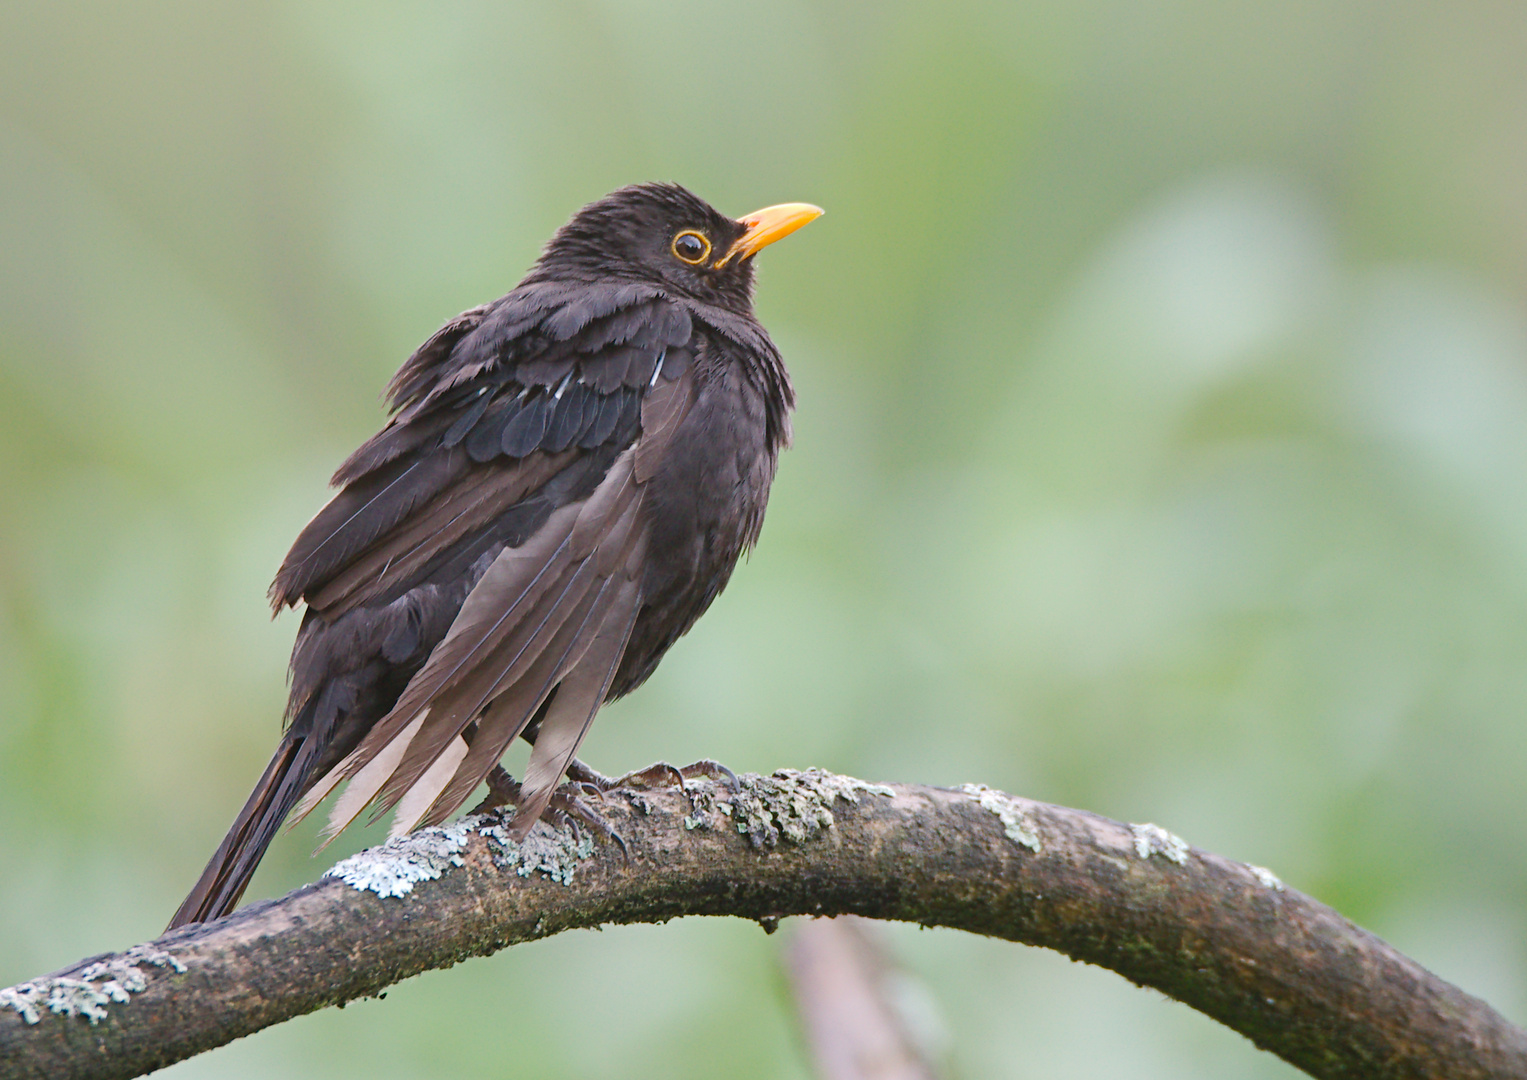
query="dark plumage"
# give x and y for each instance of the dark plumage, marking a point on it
(568, 478)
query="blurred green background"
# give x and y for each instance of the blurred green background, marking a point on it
(1162, 450)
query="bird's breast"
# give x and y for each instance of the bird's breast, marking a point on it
(703, 506)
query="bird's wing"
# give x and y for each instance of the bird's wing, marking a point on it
(519, 454)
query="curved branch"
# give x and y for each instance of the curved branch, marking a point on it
(1288, 973)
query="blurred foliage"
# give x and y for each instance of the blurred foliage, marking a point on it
(1162, 450)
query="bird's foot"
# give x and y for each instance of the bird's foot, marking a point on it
(567, 807)
(659, 775)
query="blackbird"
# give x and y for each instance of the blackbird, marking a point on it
(568, 477)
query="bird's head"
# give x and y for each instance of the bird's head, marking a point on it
(666, 235)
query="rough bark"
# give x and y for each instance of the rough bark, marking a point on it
(1230, 940)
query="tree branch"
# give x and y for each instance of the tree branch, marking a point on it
(1288, 973)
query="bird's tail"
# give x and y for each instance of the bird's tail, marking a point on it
(233, 864)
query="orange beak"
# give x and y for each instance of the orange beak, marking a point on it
(768, 225)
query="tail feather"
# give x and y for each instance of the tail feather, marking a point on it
(228, 872)
(572, 711)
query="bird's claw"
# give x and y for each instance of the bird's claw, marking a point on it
(590, 779)
(712, 770)
(568, 808)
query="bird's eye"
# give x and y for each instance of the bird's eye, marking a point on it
(691, 247)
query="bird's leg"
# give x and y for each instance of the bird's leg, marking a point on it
(503, 790)
(589, 778)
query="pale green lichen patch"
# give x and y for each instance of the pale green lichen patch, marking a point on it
(1266, 877)
(394, 868)
(1154, 840)
(1017, 822)
(554, 852)
(88, 993)
(792, 805)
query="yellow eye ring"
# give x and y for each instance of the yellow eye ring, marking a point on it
(691, 247)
